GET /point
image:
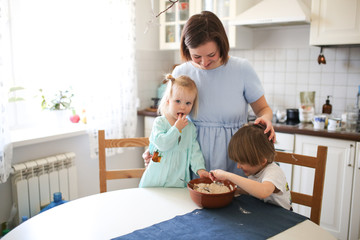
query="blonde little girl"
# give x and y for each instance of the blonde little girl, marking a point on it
(254, 154)
(173, 143)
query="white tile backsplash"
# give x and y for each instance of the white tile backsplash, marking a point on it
(341, 66)
(342, 53)
(354, 54)
(303, 66)
(291, 77)
(291, 66)
(354, 66)
(329, 53)
(280, 66)
(327, 79)
(304, 54)
(151, 66)
(329, 67)
(280, 54)
(286, 72)
(353, 79)
(291, 54)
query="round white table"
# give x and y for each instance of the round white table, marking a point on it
(99, 216)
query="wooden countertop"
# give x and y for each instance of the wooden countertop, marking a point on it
(149, 112)
(306, 129)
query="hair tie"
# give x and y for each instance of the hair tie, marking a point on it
(169, 77)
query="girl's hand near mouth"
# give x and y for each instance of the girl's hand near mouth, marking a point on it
(181, 122)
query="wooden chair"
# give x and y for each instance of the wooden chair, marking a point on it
(105, 174)
(313, 201)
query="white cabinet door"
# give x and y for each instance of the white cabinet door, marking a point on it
(354, 231)
(335, 210)
(173, 20)
(285, 143)
(148, 123)
(335, 22)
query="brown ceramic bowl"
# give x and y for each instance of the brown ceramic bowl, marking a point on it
(209, 200)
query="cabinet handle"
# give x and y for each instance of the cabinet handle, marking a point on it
(349, 159)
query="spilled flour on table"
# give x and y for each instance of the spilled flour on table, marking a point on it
(244, 211)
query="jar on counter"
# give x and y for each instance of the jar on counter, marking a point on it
(352, 116)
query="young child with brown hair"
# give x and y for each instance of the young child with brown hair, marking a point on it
(255, 154)
(173, 139)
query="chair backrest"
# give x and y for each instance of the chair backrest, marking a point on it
(313, 201)
(105, 174)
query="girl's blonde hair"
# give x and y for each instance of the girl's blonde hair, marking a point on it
(184, 82)
(250, 145)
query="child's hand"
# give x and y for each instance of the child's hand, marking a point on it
(181, 122)
(218, 174)
(147, 157)
(203, 173)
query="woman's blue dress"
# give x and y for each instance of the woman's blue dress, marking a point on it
(224, 95)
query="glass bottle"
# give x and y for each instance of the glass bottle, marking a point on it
(327, 108)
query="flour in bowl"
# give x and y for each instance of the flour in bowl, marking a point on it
(213, 187)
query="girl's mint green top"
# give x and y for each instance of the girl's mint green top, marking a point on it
(179, 152)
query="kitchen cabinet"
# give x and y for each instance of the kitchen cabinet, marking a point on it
(354, 229)
(148, 123)
(174, 19)
(285, 143)
(338, 187)
(335, 22)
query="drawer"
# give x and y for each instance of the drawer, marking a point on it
(148, 123)
(285, 142)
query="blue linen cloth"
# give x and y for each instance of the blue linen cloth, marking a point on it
(245, 218)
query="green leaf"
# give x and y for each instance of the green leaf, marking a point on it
(13, 89)
(15, 99)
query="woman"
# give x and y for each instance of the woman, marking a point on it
(226, 86)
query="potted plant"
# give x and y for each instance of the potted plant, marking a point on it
(61, 100)
(60, 104)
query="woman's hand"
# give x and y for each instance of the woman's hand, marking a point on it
(147, 157)
(265, 115)
(203, 173)
(269, 127)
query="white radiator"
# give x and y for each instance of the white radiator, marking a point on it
(35, 181)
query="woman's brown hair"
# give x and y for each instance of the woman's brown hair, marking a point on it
(250, 145)
(200, 29)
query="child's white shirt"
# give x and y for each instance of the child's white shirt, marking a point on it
(274, 174)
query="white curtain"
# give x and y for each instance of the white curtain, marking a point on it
(94, 52)
(115, 110)
(5, 81)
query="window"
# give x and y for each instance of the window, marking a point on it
(86, 45)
